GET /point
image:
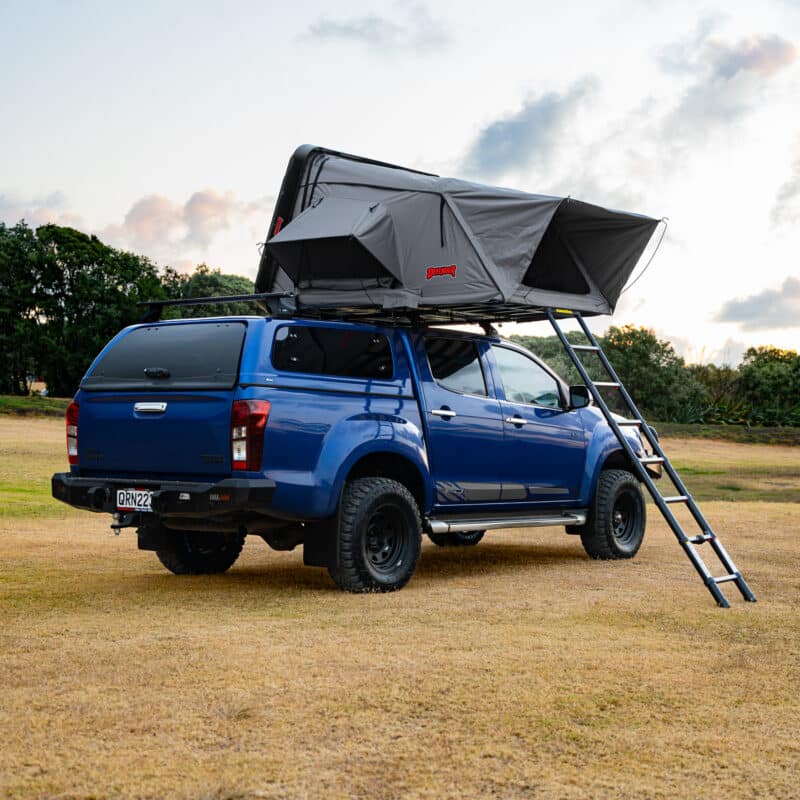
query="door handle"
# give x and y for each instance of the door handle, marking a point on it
(443, 412)
(517, 420)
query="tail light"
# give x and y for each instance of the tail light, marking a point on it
(248, 421)
(72, 432)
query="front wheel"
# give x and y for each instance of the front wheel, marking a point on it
(462, 539)
(200, 552)
(379, 537)
(617, 518)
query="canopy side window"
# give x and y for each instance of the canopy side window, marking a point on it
(456, 365)
(332, 351)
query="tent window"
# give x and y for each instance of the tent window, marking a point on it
(553, 267)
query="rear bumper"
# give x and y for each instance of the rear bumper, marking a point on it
(170, 498)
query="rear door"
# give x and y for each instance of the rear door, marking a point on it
(157, 402)
(465, 429)
(544, 444)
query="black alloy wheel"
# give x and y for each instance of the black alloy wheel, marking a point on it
(461, 539)
(625, 518)
(379, 538)
(385, 540)
(200, 552)
(617, 518)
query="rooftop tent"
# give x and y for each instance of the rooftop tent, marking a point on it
(356, 235)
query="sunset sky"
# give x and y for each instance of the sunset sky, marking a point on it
(165, 127)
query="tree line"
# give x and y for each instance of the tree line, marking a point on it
(764, 389)
(64, 294)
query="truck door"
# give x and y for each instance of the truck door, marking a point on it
(465, 428)
(544, 444)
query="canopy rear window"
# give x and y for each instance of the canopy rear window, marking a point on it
(199, 355)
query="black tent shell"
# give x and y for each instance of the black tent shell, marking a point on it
(356, 236)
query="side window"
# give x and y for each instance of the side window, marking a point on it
(524, 380)
(332, 351)
(455, 365)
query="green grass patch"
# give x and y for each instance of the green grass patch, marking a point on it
(746, 480)
(29, 500)
(686, 469)
(34, 406)
(731, 433)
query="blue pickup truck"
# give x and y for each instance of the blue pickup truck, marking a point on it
(349, 439)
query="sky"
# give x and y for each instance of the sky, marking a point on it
(165, 127)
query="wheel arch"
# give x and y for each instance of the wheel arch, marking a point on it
(385, 464)
(619, 459)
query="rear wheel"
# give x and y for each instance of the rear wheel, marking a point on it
(379, 536)
(200, 552)
(463, 539)
(617, 518)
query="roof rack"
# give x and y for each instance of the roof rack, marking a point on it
(287, 304)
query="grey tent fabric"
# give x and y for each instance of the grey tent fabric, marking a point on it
(362, 235)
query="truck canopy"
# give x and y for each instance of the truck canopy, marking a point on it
(358, 235)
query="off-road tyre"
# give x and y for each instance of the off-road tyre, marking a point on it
(379, 538)
(617, 517)
(200, 552)
(463, 539)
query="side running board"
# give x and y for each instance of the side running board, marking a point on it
(463, 523)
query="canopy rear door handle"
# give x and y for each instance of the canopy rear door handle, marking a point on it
(443, 412)
(150, 408)
(517, 420)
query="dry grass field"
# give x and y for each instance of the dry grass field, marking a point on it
(516, 669)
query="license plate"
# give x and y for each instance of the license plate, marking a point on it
(134, 499)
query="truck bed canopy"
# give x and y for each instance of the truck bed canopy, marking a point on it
(362, 237)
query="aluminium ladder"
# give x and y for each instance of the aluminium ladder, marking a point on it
(689, 543)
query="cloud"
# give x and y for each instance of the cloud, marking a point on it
(530, 136)
(209, 225)
(417, 31)
(155, 223)
(771, 308)
(728, 79)
(36, 211)
(729, 353)
(786, 209)
(682, 57)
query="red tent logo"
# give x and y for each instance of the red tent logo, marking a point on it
(435, 272)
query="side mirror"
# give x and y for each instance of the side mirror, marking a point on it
(579, 397)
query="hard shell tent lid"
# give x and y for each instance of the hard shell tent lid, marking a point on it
(359, 236)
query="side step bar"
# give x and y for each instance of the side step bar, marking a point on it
(462, 524)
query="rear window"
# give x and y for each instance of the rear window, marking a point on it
(189, 356)
(332, 351)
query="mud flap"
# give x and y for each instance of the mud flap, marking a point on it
(152, 537)
(319, 545)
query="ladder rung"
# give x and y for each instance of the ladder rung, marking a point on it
(726, 578)
(701, 537)
(678, 498)
(609, 384)
(651, 460)
(589, 348)
(628, 423)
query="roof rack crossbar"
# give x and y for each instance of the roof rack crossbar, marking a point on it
(279, 304)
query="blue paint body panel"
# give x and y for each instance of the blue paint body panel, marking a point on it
(321, 426)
